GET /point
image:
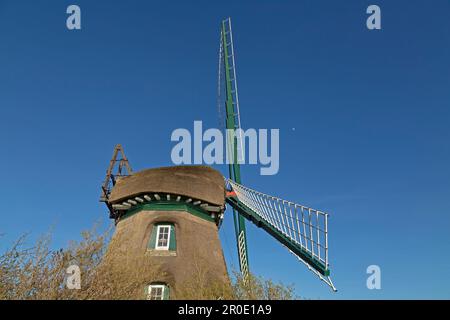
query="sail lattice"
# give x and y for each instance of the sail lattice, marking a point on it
(303, 230)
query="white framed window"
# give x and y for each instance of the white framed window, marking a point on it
(156, 292)
(163, 237)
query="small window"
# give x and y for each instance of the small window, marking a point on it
(158, 292)
(162, 237)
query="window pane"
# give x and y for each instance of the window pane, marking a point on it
(156, 292)
(163, 236)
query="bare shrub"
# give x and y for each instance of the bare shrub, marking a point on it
(258, 288)
(108, 271)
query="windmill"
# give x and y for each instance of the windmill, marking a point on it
(172, 215)
(302, 230)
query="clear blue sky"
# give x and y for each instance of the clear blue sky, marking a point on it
(370, 111)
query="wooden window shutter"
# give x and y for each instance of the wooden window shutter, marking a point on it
(152, 242)
(172, 240)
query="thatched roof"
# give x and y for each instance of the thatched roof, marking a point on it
(199, 182)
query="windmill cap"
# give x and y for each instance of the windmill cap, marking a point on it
(197, 182)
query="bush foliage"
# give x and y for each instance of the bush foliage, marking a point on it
(38, 272)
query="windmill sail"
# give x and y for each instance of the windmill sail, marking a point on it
(233, 124)
(303, 230)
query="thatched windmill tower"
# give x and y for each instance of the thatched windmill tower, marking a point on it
(171, 216)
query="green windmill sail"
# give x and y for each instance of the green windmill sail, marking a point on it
(301, 229)
(232, 124)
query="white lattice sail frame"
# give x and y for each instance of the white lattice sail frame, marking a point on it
(306, 227)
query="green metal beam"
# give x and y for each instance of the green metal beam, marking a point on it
(234, 167)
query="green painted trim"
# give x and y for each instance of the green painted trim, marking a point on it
(169, 206)
(172, 239)
(152, 242)
(166, 295)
